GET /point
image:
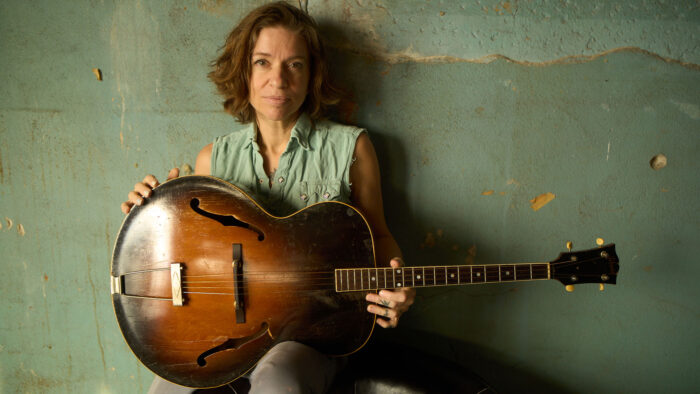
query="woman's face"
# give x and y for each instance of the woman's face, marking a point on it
(279, 77)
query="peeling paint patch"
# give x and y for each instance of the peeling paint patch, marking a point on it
(98, 73)
(692, 110)
(541, 200)
(20, 229)
(9, 222)
(187, 169)
(658, 162)
(471, 255)
(429, 241)
(487, 192)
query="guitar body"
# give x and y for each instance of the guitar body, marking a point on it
(283, 286)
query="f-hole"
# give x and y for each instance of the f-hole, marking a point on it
(231, 343)
(226, 220)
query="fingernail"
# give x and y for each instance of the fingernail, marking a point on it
(140, 201)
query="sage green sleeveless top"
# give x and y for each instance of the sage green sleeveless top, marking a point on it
(314, 167)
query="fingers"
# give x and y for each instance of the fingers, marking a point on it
(174, 173)
(144, 189)
(386, 317)
(396, 262)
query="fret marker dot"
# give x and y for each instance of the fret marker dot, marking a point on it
(452, 275)
(398, 271)
(507, 272)
(478, 274)
(418, 277)
(398, 285)
(373, 279)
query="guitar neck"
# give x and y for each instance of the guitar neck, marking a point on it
(367, 279)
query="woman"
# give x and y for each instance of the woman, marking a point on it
(273, 75)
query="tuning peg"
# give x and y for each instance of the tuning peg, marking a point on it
(569, 245)
(599, 241)
(602, 286)
(569, 288)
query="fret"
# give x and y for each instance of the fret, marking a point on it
(507, 272)
(347, 279)
(428, 277)
(400, 281)
(453, 275)
(393, 279)
(478, 274)
(412, 276)
(493, 273)
(522, 272)
(465, 274)
(434, 276)
(354, 280)
(362, 283)
(338, 281)
(540, 271)
(440, 276)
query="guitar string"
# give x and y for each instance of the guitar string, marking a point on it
(487, 267)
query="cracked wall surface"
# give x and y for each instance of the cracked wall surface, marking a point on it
(503, 130)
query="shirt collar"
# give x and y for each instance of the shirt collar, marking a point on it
(300, 132)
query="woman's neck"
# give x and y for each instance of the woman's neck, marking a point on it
(273, 136)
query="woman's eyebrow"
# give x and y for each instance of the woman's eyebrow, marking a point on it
(265, 54)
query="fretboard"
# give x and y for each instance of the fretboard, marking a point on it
(363, 279)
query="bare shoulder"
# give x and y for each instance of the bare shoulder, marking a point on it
(203, 164)
(366, 184)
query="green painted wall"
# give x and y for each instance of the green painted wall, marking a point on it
(475, 107)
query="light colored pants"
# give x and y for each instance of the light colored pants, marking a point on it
(289, 367)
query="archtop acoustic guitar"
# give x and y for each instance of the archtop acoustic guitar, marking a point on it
(204, 281)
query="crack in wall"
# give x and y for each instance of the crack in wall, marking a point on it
(409, 56)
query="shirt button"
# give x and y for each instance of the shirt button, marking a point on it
(304, 197)
(260, 180)
(280, 180)
(326, 195)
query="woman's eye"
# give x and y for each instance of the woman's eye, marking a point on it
(297, 65)
(260, 62)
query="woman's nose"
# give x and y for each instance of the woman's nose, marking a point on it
(278, 79)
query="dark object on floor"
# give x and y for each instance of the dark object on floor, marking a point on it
(383, 368)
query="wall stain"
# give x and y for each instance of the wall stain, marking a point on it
(692, 110)
(94, 313)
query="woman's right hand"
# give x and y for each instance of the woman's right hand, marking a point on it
(144, 189)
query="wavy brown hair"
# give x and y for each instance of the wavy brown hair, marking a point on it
(231, 70)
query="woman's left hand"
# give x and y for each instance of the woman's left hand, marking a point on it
(390, 305)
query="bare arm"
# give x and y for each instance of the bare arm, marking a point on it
(367, 197)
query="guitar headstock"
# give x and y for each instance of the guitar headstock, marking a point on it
(597, 265)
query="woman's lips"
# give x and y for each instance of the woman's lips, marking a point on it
(277, 99)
